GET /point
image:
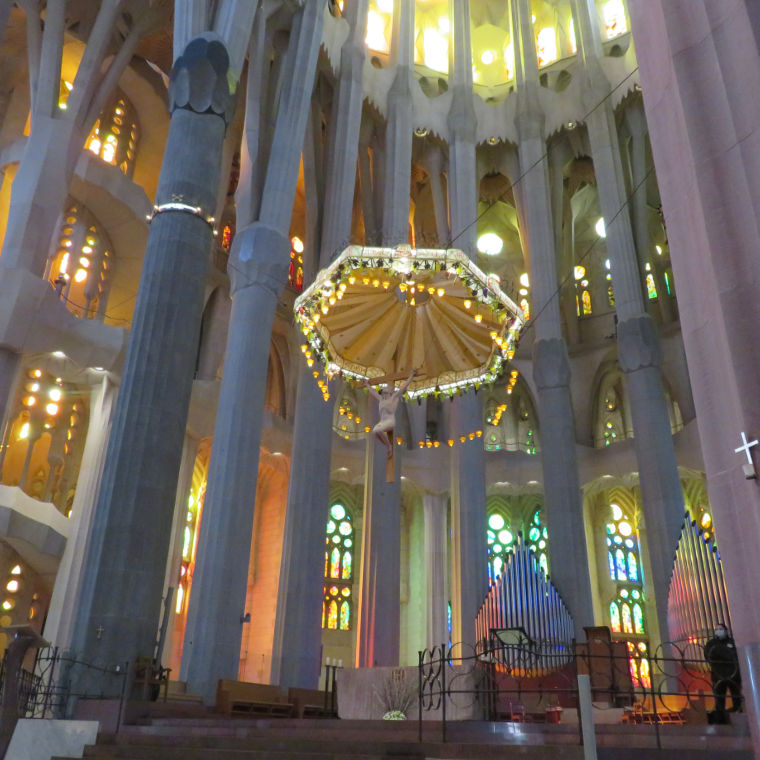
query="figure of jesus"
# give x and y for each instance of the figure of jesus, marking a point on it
(388, 403)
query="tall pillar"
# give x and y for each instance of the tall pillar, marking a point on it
(568, 557)
(296, 655)
(258, 273)
(378, 623)
(469, 572)
(638, 340)
(705, 145)
(68, 580)
(436, 568)
(119, 609)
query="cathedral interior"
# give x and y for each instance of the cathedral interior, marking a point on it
(172, 457)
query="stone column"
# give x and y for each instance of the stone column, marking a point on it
(118, 612)
(568, 558)
(378, 637)
(297, 647)
(68, 580)
(469, 571)
(704, 141)
(378, 613)
(638, 340)
(436, 568)
(258, 273)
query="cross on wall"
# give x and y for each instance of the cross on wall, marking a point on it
(749, 468)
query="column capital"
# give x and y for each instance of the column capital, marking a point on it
(638, 343)
(199, 80)
(551, 368)
(259, 256)
(529, 118)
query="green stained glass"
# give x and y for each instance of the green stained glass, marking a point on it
(497, 548)
(534, 534)
(337, 511)
(332, 615)
(635, 594)
(543, 563)
(614, 617)
(330, 527)
(496, 522)
(624, 593)
(537, 516)
(345, 528)
(611, 529)
(633, 567)
(336, 539)
(505, 536)
(667, 282)
(335, 563)
(651, 287)
(545, 532)
(497, 564)
(346, 570)
(348, 543)
(491, 536)
(638, 618)
(345, 616)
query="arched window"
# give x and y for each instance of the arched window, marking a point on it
(582, 294)
(339, 553)
(613, 17)
(546, 46)
(114, 135)
(295, 273)
(43, 444)
(510, 418)
(538, 535)
(500, 544)
(79, 263)
(627, 616)
(650, 283)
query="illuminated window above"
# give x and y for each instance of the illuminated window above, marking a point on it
(490, 244)
(114, 135)
(339, 552)
(613, 18)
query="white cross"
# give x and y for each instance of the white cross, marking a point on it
(746, 446)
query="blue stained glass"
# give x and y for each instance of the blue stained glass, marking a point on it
(611, 561)
(620, 565)
(633, 567)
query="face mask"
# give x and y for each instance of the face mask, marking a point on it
(721, 633)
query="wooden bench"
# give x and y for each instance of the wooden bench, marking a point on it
(243, 698)
(309, 703)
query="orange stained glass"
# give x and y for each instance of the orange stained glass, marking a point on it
(332, 615)
(627, 621)
(335, 563)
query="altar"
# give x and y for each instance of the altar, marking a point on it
(363, 693)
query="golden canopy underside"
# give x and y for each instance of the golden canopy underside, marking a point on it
(376, 331)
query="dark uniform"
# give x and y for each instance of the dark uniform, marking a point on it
(723, 660)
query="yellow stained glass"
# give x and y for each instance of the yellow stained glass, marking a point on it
(332, 615)
(345, 616)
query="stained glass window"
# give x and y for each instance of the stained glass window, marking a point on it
(651, 287)
(339, 542)
(500, 541)
(114, 135)
(295, 271)
(614, 617)
(613, 14)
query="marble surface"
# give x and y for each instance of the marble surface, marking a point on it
(41, 739)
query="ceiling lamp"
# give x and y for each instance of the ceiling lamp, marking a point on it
(490, 244)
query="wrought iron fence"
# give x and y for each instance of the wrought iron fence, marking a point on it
(48, 687)
(524, 681)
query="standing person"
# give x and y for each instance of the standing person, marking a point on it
(388, 403)
(721, 656)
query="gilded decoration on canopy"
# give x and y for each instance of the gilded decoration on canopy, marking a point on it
(377, 313)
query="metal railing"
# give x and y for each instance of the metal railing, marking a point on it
(525, 681)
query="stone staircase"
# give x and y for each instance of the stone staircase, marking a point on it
(217, 738)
